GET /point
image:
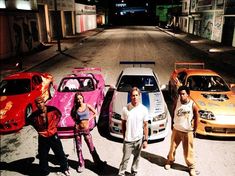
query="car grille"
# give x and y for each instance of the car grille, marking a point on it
(220, 130)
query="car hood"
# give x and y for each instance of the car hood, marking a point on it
(10, 106)
(154, 102)
(222, 103)
(64, 101)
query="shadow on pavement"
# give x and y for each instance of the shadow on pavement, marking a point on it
(160, 161)
(108, 170)
(68, 55)
(26, 166)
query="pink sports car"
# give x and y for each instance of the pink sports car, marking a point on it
(90, 82)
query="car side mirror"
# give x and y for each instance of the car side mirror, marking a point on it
(232, 87)
(164, 87)
(111, 87)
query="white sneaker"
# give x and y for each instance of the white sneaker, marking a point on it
(192, 172)
(80, 169)
(67, 172)
(167, 166)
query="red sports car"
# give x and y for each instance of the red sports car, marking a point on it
(17, 95)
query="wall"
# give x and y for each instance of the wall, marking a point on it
(85, 17)
(207, 25)
(5, 37)
(19, 34)
(233, 44)
(218, 26)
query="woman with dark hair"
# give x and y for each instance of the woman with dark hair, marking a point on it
(80, 113)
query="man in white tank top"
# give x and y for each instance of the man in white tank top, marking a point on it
(184, 123)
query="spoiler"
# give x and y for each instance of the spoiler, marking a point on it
(82, 69)
(137, 62)
(189, 65)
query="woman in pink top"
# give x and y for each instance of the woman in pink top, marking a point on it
(81, 114)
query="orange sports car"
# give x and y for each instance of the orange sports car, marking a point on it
(213, 96)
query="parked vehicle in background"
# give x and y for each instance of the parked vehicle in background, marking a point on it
(17, 95)
(151, 96)
(212, 95)
(88, 81)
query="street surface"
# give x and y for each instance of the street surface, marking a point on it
(213, 156)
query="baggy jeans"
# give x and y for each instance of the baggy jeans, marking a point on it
(44, 145)
(187, 140)
(128, 149)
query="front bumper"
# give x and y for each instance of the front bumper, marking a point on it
(211, 128)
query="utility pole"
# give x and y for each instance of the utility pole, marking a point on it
(58, 27)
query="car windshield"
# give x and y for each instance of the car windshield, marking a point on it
(207, 83)
(15, 87)
(82, 84)
(144, 83)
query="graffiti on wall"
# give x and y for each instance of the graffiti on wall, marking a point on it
(18, 37)
(207, 25)
(217, 28)
(27, 36)
(193, 5)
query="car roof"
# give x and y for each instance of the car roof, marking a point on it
(137, 71)
(202, 72)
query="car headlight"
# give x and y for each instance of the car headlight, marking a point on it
(159, 117)
(116, 116)
(208, 115)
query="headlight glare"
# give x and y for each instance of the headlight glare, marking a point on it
(159, 117)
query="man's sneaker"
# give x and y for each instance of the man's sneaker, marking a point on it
(167, 166)
(80, 169)
(134, 173)
(67, 172)
(192, 172)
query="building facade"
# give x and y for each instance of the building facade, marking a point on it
(211, 19)
(26, 24)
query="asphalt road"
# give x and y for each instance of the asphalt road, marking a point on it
(213, 156)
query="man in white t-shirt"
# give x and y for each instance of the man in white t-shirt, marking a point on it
(184, 123)
(135, 131)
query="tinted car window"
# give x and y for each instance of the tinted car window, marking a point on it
(207, 83)
(14, 87)
(144, 83)
(181, 77)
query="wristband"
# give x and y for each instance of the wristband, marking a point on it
(145, 140)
